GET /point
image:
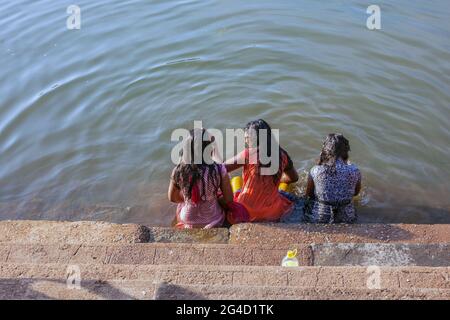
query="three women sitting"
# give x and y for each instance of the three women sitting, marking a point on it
(205, 200)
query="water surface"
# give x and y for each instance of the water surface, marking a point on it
(86, 115)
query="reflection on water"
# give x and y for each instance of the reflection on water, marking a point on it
(86, 115)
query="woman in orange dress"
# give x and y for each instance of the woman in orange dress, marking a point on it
(259, 193)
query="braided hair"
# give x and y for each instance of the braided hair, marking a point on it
(187, 174)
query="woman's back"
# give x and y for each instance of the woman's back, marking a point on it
(260, 194)
(206, 210)
(334, 190)
(196, 186)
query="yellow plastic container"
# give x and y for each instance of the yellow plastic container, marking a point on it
(285, 187)
(236, 184)
(291, 259)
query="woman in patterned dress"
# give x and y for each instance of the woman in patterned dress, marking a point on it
(332, 184)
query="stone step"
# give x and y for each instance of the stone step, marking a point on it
(31, 281)
(17, 289)
(257, 233)
(30, 231)
(329, 277)
(150, 253)
(380, 254)
(98, 232)
(192, 292)
(95, 232)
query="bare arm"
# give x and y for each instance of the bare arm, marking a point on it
(310, 188)
(235, 162)
(357, 187)
(226, 189)
(174, 193)
(232, 166)
(289, 176)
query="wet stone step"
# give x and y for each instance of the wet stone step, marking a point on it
(90, 232)
(277, 233)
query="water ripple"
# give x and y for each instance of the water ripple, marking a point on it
(86, 115)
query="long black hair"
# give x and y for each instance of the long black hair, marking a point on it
(187, 173)
(258, 125)
(334, 147)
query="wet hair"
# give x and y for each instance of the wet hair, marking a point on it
(187, 174)
(258, 125)
(334, 147)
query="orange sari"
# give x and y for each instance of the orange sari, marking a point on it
(260, 194)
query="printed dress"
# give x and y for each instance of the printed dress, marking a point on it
(334, 191)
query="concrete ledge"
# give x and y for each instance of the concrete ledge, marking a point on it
(286, 234)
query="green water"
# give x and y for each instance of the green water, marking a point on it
(86, 115)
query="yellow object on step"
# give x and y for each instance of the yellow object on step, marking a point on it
(292, 253)
(291, 259)
(236, 184)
